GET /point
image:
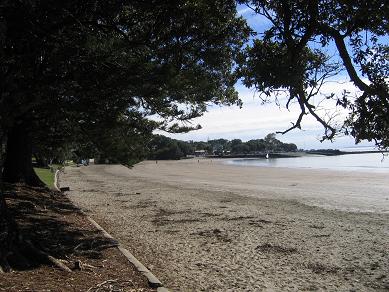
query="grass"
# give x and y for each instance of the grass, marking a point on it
(46, 175)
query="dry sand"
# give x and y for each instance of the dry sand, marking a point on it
(201, 225)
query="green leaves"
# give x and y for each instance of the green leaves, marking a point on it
(295, 56)
(102, 71)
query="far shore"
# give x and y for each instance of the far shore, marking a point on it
(202, 225)
(325, 152)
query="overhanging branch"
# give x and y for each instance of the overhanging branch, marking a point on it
(340, 45)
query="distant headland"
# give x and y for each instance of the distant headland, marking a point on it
(162, 148)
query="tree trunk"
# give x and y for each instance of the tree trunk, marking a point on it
(8, 234)
(18, 163)
(2, 148)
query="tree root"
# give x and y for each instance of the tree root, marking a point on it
(58, 264)
(17, 257)
(15, 250)
(4, 266)
(43, 256)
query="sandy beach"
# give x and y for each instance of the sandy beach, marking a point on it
(202, 225)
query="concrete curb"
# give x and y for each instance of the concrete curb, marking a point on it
(56, 181)
(152, 280)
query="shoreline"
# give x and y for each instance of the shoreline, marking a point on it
(197, 235)
(329, 152)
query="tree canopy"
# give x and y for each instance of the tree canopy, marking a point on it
(86, 71)
(294, 55)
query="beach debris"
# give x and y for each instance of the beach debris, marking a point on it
(165, 221)
(321, 235)
(316, 226)
(144, 204)
(114, 285)
(207, 214)
(264, 221)
(238, 218)
(165, 217)
(274, 248)
(319, 268)
(217, 231)
(78, 265)
(225, 201)
(259, 223)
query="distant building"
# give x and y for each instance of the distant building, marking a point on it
(199, 153)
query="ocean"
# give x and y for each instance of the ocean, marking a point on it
(366, 162)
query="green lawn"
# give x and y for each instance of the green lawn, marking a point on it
(46, 175)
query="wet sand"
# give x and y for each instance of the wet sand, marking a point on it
(200, 225)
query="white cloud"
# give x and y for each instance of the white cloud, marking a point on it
(255, 120)
(244, 10)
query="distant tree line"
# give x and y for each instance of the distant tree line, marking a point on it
(162, 147)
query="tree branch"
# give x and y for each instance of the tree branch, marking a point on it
(297, 124)
(340, 45)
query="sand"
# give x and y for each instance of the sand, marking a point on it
(201, 225)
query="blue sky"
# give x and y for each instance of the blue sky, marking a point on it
(255, 120)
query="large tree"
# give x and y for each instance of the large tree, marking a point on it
(295, 55)
(71, 67)
(101, 75)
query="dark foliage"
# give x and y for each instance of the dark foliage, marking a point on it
(294, 56)
(80, 75)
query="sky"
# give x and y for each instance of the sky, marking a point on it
(255, 120)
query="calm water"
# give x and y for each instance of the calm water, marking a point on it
(371, 162)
